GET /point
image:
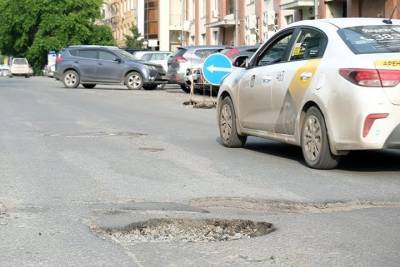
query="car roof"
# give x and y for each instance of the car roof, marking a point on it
(345, 22)
(92, 46)
(202, 47)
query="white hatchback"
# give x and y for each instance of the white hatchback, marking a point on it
(329, 86)
(20, 67)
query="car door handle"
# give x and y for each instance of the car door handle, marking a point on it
(100, 64)
(267, 79)
(305, 76)
(76, 61)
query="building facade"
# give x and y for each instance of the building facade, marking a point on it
(166, 24)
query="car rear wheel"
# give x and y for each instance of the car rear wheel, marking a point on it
(71, 79)
(150, 86)
(89, 85)
(134, 81)
(315, 142)
(227, 125)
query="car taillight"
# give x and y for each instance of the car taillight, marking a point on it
(371, 77)
(232, 52)
(59, 58)
(389, 78)
(180, 59)
(370, 119)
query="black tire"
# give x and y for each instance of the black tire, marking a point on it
(134, 81)
(71, 79)
(315, 142)
(27, 76)
(89, 85)
(185, 88)
(227, 125)
(150, 86)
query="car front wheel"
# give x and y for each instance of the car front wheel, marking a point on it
(315, 142)
(134, 81)
(227, 125)
(71, 79)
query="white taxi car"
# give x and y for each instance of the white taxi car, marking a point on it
(329, 86)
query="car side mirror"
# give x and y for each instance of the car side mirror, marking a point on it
(241, 62)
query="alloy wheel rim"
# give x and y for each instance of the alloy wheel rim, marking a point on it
(226, 122)
(70, 79)
(312, 138)
(134, 81)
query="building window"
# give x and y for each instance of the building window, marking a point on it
(151, 15)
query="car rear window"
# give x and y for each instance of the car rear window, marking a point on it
(203, 53)
(20, 61)
(372, 39)
(179, 52)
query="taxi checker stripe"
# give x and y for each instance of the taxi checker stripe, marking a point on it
(294, 97)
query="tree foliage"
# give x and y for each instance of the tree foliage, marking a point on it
(135, 40)
(31, 28)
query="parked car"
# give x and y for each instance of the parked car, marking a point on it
(49, 70)
(235, 53)
(155, 57)
(4, 70)
(327, 95)
(186, 58)
(20, 67)
(90, 65)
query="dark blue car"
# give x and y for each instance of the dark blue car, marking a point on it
(91, 65)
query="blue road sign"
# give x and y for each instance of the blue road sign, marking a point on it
(216, 67)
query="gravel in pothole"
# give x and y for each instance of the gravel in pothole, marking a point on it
(191, 230)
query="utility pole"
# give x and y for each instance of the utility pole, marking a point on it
(182, 20)
(236, 22)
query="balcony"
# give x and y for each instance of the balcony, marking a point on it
(296, 4)
(225, 22)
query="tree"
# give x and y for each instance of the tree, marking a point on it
(35, 27)
(135, 40)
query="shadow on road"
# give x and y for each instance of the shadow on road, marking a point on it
(357, 161)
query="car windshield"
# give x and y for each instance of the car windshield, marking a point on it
(372, 39)
(20, 61)
(125, 55)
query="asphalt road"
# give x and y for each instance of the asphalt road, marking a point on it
(73, 161)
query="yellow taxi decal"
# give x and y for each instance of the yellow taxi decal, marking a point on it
(302, 80)
(300, 83)
(393, 64)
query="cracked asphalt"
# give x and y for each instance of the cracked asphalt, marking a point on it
(74, 160)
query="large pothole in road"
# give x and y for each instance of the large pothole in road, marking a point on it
(191, 230)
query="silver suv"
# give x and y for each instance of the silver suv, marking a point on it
(91, 65)
(186, 58)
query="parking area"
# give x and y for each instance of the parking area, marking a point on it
(77, 161)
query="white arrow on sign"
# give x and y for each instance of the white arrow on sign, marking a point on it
(212, 69)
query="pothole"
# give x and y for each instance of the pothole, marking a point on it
(97, 134)
(190, 230)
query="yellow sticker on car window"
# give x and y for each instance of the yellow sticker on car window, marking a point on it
(388, 64)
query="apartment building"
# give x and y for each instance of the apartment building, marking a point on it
(121, 15)
(167, 24)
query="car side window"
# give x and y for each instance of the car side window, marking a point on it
(92, 54)
(104, 55)
(309, 44)
(275, 53)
